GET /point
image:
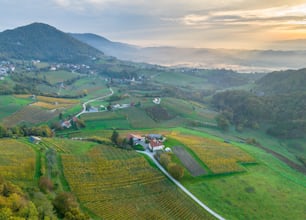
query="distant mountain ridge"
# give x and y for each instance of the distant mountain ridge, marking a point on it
(111, 48)
(43, 42)
(239, 60)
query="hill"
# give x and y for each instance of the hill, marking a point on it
(117, 49)
(283, 82)
(43, 42)
(277, 100)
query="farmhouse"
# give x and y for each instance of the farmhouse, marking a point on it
(137, 139)
(66, 124)
(155, 136)
(34, 139)
(156, 101)
(155, 145)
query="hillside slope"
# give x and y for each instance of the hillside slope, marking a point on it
(117, 49)
(43, 42)
(283, 82)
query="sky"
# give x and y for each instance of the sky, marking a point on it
(236, 24)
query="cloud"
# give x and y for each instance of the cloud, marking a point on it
(193, 22)
(282, 16)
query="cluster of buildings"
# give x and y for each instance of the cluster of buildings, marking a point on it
(5, 69)
(153, 142)
(80, 68)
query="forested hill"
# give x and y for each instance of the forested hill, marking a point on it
(43, 42)
(283, 82)
(279, 102)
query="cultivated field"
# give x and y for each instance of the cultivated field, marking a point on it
(117, 184)
(10, 104)
(29, 114)
(49, 102)
(189, 162)
(218, 156)
(17, 161)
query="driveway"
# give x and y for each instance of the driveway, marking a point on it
(151, 155)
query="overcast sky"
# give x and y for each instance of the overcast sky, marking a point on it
(186, 23)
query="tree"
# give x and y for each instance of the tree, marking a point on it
(114, 137)
(3, 131)
(75, 214)
(44, 206)
(164, 160)
(222, 122)
(176, 170)
(45, 184)
(64, 202)
(88, 107)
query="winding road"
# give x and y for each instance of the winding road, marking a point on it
(92, 100)
(148, 153)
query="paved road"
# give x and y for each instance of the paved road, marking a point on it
(181, 186)
(92, 100)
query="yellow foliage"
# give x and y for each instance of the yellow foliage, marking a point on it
(16, 160)
(58, 100)
(119, 184)
(220, 157)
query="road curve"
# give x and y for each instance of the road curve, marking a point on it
(181, 186)
(92, 100)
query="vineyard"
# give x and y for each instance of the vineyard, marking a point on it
(218, 156)
(17, 161)
(118, 184)
(49, 102)
(29, 114)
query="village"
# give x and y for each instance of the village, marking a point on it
(6, 68)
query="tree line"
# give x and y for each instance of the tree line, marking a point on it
(23, 130)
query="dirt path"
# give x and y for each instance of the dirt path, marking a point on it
(290, 163)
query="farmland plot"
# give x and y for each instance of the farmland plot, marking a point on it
(189, 162)
(219, 157)
(17, 161)
(118, 184)
(30, 114)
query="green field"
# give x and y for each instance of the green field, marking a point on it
(268, 190)
(56, 76)
(10, 104)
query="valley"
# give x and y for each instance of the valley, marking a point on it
(233, 140)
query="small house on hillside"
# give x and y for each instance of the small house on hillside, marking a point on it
(156, 101)
(155, 145)
(34, 139)
(155, 136)
(137, 139)
(66, 124)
